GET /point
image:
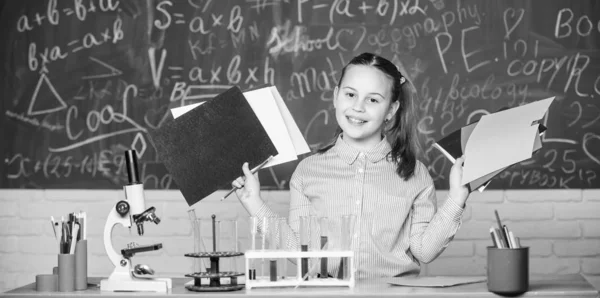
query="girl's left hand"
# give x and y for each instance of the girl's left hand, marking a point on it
(458, 192)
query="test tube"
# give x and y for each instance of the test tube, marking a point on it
(304, 240)
(253, 231)
(314, 245)
(282, 223)
(273, 241)
(196, 232)
(323, 225)
(227, 240)
(199, 263)
(264, 232)
(346, 233)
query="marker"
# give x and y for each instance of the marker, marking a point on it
(252, 171)
(74, 241)
(514, 240)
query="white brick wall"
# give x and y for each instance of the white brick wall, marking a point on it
(561, 227)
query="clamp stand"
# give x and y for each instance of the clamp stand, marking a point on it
(214, 275)
(122, 277)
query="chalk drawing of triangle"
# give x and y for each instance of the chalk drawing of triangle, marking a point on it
(59, 104)
(113, 71)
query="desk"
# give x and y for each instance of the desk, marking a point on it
(552, 286)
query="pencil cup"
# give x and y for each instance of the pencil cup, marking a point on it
(66, 272)
(81, 274)
(508, 270)
(46, 282)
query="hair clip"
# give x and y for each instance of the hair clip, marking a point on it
(402, 80)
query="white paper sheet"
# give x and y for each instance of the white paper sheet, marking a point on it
(434, 281)
(182, 110)
(502, 139)
(273, 114)
(266, 109)
(298, 140)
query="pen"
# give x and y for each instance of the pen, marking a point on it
(63, 238)
(493, 237)
(83, 225)
(503, 238)
(53, 227)
(252, 171)
(508, 240)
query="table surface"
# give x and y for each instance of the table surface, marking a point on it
(547, 286)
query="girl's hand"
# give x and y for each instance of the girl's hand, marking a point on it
(247, 187)
(458, 192)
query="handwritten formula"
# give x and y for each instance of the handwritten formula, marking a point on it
(88, 79)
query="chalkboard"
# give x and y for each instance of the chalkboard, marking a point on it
(84, 80)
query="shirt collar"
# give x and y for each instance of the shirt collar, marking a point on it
(350, 154)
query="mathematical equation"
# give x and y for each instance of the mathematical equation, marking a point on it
(195, 49)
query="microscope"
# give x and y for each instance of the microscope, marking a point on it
(125, 276)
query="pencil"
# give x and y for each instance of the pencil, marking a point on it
(252, 171)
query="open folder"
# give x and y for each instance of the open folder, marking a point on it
(496, 142)
(204, 149)
(276, 119)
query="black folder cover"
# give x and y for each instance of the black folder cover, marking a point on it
(204, 149)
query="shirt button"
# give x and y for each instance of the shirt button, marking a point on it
(360, 170)
(357, 202)
(356, 235)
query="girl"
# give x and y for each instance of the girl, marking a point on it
(370, 170)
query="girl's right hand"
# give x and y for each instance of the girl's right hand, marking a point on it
(247, 187)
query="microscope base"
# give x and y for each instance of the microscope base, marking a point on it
(159, 285)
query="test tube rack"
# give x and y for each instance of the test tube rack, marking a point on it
(298, 280)
(213, 274)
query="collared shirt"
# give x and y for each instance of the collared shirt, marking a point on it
(396, 223)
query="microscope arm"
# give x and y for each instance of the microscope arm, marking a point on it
(113, 219)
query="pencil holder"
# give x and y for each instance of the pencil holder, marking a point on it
(508, 270)
(81, 274)
(46, 282)
(66, 272)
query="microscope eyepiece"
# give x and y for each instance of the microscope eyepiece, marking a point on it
(132, 167)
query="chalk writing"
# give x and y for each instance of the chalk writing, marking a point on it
(93, 78)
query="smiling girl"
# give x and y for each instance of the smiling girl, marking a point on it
(370, 171)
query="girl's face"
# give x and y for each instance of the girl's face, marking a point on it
(362, 103)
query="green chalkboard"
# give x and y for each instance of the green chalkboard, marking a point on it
(84, 80)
